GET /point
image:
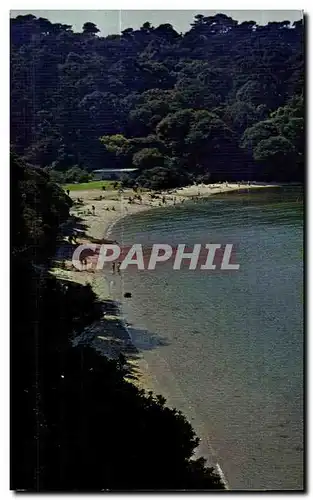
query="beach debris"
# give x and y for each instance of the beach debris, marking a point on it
(127, 295)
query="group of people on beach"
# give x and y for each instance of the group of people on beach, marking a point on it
(116, 266)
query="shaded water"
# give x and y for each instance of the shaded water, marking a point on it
(227, 348)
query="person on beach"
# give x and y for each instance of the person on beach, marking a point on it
(118, 267)
(68, 192)
(93, 208)
(83, 260)
(113, 267)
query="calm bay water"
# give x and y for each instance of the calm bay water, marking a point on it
(227, 348)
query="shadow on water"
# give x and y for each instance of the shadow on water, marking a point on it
(114, 338)
(145, 340)
(111, 335)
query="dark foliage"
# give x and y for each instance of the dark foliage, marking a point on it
(195, 96)
(76, 423)
(39, 206)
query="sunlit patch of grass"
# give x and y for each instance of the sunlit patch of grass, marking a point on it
(85, 186)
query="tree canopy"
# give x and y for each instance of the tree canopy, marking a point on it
(71, 89)
(77, 423)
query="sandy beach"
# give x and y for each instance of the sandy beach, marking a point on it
(111, 336)
(114, 205)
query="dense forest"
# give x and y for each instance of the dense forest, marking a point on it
(223, 101)
(76, 423)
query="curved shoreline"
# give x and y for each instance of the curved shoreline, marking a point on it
(106, 207)
(101, 226)
(189, 193)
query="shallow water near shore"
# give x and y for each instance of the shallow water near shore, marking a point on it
(227, 348)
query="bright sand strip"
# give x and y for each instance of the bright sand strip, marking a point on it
(114, 205)
(110, 335)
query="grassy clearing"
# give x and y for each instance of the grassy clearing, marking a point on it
(85, 186)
